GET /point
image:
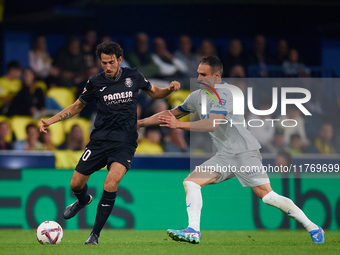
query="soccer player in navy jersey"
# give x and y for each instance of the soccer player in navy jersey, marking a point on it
(113, 140)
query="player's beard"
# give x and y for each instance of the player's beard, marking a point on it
(115, 75)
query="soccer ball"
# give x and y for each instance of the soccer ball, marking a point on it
(49, 232)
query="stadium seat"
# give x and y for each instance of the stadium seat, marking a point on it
(84, 124)
(63, 96)
(66, 159)
(41, 85)
(175, 99)
(57, 133)
(19, 123)
(9, 136)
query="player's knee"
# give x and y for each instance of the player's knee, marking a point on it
(111, 186)
(75, 185)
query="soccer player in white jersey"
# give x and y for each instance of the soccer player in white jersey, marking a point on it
(236, 149)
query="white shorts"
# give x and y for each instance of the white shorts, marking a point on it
(246, 166)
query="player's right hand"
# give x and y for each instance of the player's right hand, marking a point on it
(174, 86)
(43, 126)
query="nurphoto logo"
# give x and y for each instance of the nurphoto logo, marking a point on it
(238, 104)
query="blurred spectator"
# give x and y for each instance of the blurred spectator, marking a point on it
(141, 58)
(105, 38)
(283, 159)
(30, 100)
(32, 141)
(207, 49)
(175, 142)
(323, 143)
(295, 145)
(45, 139)
(294, 67)
(294, 113)
(75, 139)
(151, 144)
(156, 107)
(3, 133)
(282, 51)
(88, 48)
(235, 56)
(237, 72)
(90, 108)
(124, 62)
(186, 55)
(9, 85)
(170, 67)
(263, 133)
(53, 77)
(259, 55)
(39, 58)
(140, 130)
(277, 144)
(69, 59)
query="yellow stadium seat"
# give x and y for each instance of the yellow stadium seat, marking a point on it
(84, 124)
(177, 98)
(66, 159)
(19, 123)
(41, 85)
(63, 96)
(4, 118)
(57, 133)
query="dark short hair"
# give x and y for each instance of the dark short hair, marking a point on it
(294, 136)
(13, 65)
(109, 48)
(29, 126)
(286, 155)
(214, 62)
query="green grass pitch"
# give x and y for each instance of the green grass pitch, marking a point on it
(157, 242)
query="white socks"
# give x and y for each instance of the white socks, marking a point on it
(288, 207)
(194, 203)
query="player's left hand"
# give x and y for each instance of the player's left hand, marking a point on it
(168, 121)
(174, 86)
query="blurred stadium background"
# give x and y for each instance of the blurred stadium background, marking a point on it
(34, 178)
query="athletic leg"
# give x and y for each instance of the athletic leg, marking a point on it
(192, 185)
(79, 188)
(287, 206)
(105, 206)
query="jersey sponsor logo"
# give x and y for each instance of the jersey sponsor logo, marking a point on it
(128, 82)
(118, 98)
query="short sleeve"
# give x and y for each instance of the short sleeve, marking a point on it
(144, 84)
(187, 106)
(88, 93)
(226, 106)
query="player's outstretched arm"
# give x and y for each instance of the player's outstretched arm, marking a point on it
(205, 125)
(157, 93)
(68, 112)
(154, 120)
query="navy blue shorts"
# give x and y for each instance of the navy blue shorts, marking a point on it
(98, 154)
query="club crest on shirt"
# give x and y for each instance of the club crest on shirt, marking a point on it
(128, 82)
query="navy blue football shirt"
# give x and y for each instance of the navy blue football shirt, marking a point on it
(117, 104)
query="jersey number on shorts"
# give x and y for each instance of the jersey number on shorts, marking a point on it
(86, 154)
